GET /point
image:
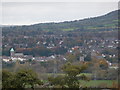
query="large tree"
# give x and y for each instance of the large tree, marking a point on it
(70, 79)
(20, 79)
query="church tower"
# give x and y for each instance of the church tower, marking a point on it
(12, 52)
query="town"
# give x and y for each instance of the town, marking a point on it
(50, 46)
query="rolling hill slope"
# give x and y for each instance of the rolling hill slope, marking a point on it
(105, 22)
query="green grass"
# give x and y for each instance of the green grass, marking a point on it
(105, 26)
(91, 83)
(97, 83)
(62, 74)
(51, 74)
(86, 74)
(69, 29)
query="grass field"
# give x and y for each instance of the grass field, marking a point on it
(51, 74)
(91, 83)
(99, 83)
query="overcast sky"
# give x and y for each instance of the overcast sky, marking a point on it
(25, 13)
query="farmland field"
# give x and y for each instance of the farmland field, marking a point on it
(98, 83)
(91, 83)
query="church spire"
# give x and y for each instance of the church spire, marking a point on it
(12, 50)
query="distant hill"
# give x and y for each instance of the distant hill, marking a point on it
(105, 22)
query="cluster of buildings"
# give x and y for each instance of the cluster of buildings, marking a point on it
(21, 57)
(16, 56)
(95, 54)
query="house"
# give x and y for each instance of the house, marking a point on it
(114, 66)
(19, 56)
(81, 58)
(13, 54)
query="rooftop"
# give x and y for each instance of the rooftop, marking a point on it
(12, 50)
